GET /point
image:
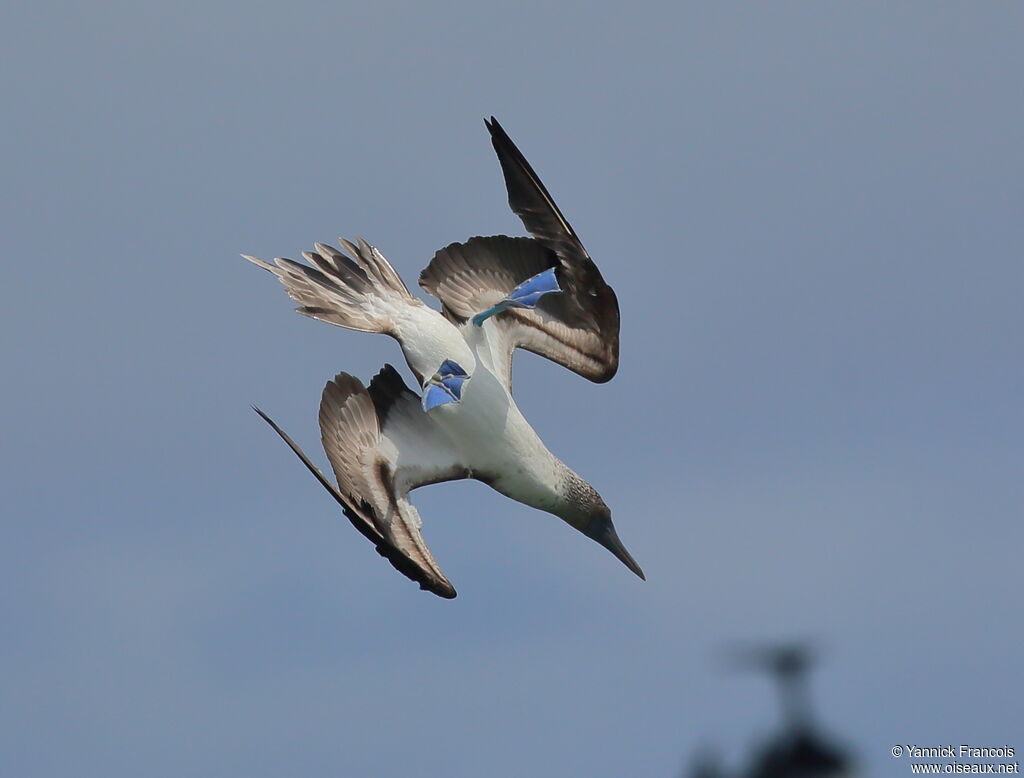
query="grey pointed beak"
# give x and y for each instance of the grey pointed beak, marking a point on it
(603, 531)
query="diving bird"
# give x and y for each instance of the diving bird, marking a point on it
(499, 293)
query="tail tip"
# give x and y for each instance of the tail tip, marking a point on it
(258, 262)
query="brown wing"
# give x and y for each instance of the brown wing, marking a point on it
(381, 446)
(470, 277)
(586, 294)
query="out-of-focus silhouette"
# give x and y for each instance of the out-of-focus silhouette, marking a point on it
(799, 749)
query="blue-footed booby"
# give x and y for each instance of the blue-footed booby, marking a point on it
(542, 293)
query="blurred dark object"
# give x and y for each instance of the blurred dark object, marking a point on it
(801, 754)
(707, 764)
(799, 750)
(789, 664)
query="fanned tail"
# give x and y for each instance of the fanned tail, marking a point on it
(359, 290)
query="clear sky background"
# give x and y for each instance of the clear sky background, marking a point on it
(811, 213)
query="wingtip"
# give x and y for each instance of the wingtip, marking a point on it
(266, 418)
(498, 133)
(445, 593)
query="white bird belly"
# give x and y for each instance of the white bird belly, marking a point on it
(428, 339)
(495, 440)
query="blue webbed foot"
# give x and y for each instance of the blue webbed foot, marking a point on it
(445, 386)
(525, 295)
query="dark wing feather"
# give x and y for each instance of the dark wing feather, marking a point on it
(589, 297)
(472, 276)
(373, 481)
(530, 199)
(360, 514)
(577, 327)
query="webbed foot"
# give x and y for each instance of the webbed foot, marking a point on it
(525, 295)
(445, 386)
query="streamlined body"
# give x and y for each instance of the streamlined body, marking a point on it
(384, 440)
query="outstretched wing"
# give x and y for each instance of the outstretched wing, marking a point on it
(578, 326)
(381, 445)
(477, 275)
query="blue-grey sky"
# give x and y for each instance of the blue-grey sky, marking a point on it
(811, 213)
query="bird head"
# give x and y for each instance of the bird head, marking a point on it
(587, 512)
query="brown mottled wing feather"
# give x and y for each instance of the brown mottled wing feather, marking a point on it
(589, 295)
(471, 277)
(381, 445)
(578, 327)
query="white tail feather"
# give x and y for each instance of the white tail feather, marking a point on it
(360, 292)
